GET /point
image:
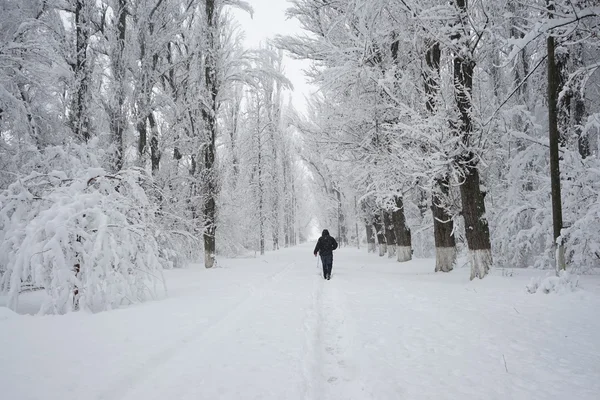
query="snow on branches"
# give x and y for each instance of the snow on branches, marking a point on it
(87, 240)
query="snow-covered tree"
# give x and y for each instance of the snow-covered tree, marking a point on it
(471, 135)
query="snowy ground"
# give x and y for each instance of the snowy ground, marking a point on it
(271, 328)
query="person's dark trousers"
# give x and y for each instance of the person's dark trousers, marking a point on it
(327, 265)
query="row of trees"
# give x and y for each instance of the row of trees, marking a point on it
(261, 179)
(130, 130)
(439, 112)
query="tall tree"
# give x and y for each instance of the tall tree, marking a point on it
(471, 193)
(443, 225)
(554, 137)
(209, 117)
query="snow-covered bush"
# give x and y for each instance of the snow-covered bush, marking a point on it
(179, 234)
(88, 240)
(564, 283)
(581, 201)
(522, 218)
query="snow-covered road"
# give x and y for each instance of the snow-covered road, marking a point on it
(272, 328)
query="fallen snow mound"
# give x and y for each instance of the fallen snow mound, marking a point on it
(6, 313)
(564, 283)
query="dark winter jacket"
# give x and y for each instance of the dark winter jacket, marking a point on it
(326, 244)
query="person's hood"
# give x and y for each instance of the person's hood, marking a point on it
(325, 232)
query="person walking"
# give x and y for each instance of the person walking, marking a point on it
(325, 246)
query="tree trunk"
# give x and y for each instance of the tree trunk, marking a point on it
(209, 114)
(286, 202)
(118, 119)
(289, 202)
(261, 205)
(443, 227)
(431, 75)
(142, 101)
(370, 238)
(80, 113)
(142, 129)
(145, 115)
(154, 150)
(554, 137)
(380, 233)
(390, 234)
(341, 223)
(583, 143)
(294, 202)
(472, 197)
(403, 237)
(476, 226)
(235, 109)
(563, 108)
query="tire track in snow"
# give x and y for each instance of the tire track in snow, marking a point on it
(127, 383)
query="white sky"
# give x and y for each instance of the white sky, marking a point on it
(269, 20)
